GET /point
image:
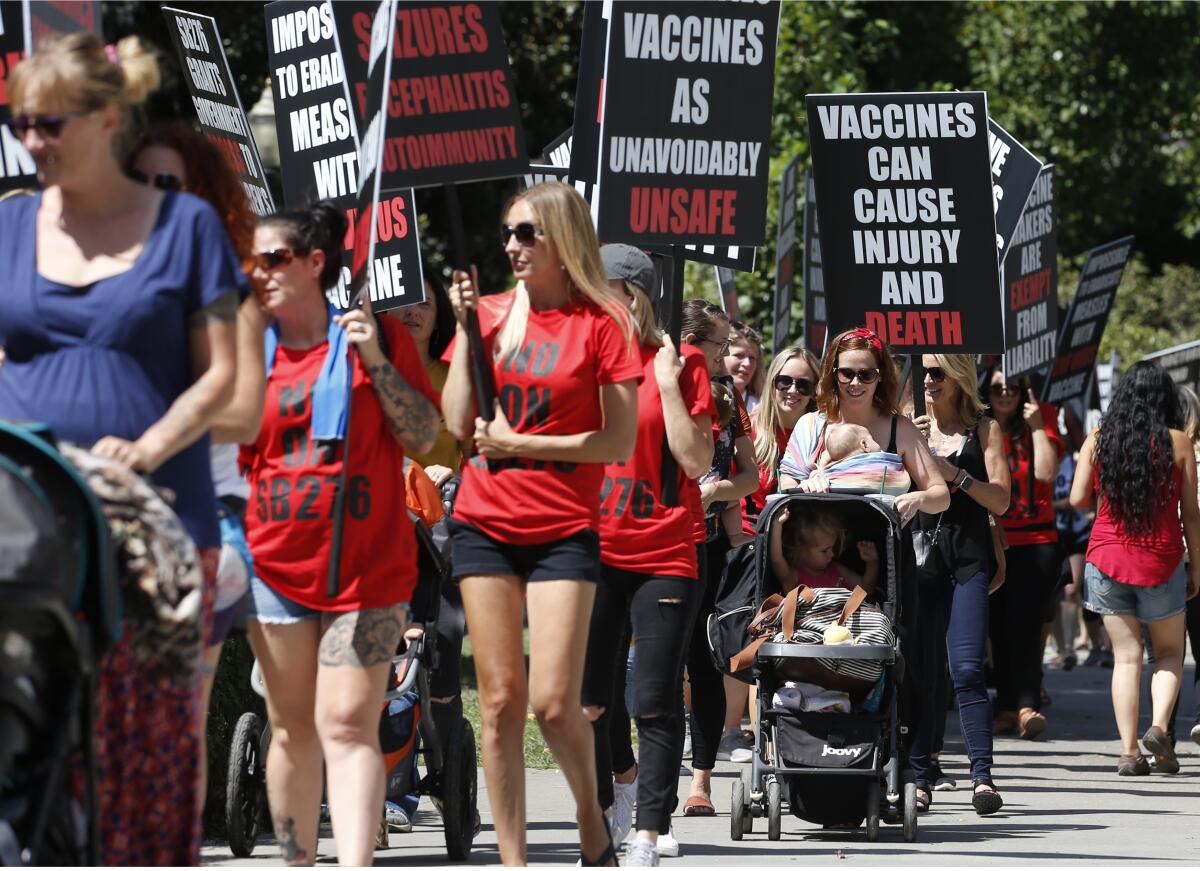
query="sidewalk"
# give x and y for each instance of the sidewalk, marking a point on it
(1063, 802)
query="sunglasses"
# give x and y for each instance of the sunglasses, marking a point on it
(526, 233)
(784, 383)
(164, 181)
(49, 126)
(865, 376)
(936, 374)
(1004, 390)
(269, 260)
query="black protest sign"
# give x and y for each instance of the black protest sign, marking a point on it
(686, 132)
(584, 152)
(538, 173)
(1014, 171)
(816, 328)
(908, 235)
(1031, 283)
(728, 288)
(1182, 363)
(1083, 327)
(785, 255)
(318, 148)
(17, 169)
(218, 107)
(54, 17)
(452, 113)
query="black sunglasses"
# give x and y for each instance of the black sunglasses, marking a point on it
(865, 376)
(50, 126)
(268, 260)
(164, 181)
(785, 383)
(936, 374)
(526, 233)
(1004, 389)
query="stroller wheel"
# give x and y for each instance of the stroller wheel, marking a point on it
(873, 802)
(747, 801)
(459, 790)
(910, 812)
(737, 810)
(774, 810)
(245, 786)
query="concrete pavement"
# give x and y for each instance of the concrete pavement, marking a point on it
(1063, 804)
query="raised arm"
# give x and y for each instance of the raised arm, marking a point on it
(458, 397)
(690, 438)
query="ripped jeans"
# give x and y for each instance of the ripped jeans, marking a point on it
(661, 610)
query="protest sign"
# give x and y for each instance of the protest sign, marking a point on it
(785, 256)
(318, 148)
(1031, 283)
(1014, 171)
(52, 17)
(1083, 327)
(584, 154)
(215, 98)
(908, 234)
(17, 169)
(686, 129)
(816, 330)
(728, 292)
(1182, 363)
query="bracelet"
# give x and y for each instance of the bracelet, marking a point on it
(966, 483)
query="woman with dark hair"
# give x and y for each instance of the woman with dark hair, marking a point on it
(325, 644)
(1021, 608)
(1143, 467)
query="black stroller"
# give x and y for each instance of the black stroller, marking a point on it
(834, 769)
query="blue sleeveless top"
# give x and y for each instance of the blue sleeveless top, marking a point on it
(110, 357)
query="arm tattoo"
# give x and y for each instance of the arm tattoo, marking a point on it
(361, 638)
(412, 417)
(223, 308)
(285, 834)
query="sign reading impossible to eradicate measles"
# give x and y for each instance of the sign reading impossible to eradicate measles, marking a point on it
(816, 330)
(318, 147)
(1014, 171)
(1031, 284)
(685, 147)
(218, 107)
(908, 234)
(785, 256)
(1083, 327)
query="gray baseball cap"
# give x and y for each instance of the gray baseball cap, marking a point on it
(628, 263)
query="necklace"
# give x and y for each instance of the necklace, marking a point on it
(943, 441)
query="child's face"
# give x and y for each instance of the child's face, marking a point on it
(817, 550)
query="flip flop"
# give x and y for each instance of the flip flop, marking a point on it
(698, 806)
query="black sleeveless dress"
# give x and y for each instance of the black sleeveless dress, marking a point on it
(966, 537)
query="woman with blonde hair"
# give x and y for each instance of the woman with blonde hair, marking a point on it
(968, 452)
(744, 363)
(524, 534)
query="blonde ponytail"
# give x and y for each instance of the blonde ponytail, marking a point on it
(139, 65)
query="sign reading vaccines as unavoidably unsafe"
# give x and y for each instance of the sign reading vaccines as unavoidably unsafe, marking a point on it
(1031, 283)
(318, 147)
(1014, 171)
(908, 233)
(785, 255)
(1083, 327)
(218, 107)
(816, 329)
(686, 132)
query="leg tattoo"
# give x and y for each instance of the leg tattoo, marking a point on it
(361, 638)
(285, 834)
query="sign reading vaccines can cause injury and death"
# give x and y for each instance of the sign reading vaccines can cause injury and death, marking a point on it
(816, 328)
(318, 148)
(785, 256)
(686, 131)
(1014, 172)
(215, 98)
(1031, 284)
(908, 233)
(1087, 316)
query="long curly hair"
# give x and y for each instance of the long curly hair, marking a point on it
(1134, 452)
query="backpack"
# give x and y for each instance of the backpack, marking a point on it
(729, 625)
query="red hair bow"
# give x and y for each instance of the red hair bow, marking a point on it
(872, 339)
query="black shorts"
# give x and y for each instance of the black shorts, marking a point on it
(574, 558)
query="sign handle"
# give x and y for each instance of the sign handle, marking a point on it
(918, 385)
(339, 495)
(481, 370)
(672, 309)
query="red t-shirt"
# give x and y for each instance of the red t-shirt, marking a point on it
(637, 532)
(552, 387)
(1030, 516)
(292, 483)
(1142, 562)
(753, 504)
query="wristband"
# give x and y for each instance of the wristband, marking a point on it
(966, 483)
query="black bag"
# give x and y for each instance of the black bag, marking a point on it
(728, 625)
(827, 741)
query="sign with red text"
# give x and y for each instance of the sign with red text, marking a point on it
(785, 255)
(816, 330)
(908, 232)
(1031, 283)
(318, 148)
(218, 107)
(1083, 327)
(686, 131)
(452, 111)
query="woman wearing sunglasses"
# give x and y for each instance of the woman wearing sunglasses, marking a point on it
(118, 323)
(968, 451)
(524, 531)
(1025, 603)
(323, 640)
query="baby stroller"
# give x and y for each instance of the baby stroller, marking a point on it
(833, 769)
(61, 611)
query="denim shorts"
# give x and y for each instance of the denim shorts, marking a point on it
(268, 605)
(1105, 595)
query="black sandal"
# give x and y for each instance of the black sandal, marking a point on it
(988, 801)
(924, 799)
(609, 854)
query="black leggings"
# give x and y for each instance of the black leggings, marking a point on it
(661, 610)
(708, 686)
(1018, 611)
(619, 733)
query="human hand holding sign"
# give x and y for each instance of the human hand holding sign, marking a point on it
(362, 331)
(463, 293)
(1032, 412)
(495, 438)
(668, 364)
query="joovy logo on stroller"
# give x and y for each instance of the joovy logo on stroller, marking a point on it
(838, 751)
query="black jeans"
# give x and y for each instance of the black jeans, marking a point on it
(1018, 611)
(619, 733)
(661, 610)
(708, 685)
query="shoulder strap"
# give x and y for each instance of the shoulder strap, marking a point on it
(892, 444)
(852, 604)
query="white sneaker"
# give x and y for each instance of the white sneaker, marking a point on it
(667, 845)
(741, 755)
(397, 819)
(1195, 733)
(641, 853)
(624, 796)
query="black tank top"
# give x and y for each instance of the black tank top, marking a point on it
(966, 536)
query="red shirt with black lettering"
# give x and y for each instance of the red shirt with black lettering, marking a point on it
(637, 532)
(551, 386)
(292, 481)
(1030, 518)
